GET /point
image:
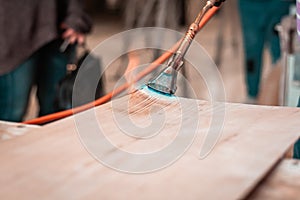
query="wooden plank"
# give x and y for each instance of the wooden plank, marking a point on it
(282, 183)
(9, 130)
(55, 165)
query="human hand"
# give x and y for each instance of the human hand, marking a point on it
(72, 36)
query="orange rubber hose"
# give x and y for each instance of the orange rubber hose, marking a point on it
(163, 58)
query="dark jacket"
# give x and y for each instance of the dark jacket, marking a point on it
(27, 25)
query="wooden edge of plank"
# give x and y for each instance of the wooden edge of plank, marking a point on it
(11, 130)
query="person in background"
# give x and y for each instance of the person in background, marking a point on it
(297, 150)
(297, 145)
(258, 20)
(31, 35)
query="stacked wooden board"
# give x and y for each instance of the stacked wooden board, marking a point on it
(282, 183)
(53, 163)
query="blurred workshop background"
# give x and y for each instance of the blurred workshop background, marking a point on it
(221, 38)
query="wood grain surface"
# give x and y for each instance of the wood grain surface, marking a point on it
(54, 164)
(282, 183)
(9, 130)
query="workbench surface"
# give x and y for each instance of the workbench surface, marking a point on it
(64, 160)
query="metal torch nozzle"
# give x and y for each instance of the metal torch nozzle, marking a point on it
(165, 82)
